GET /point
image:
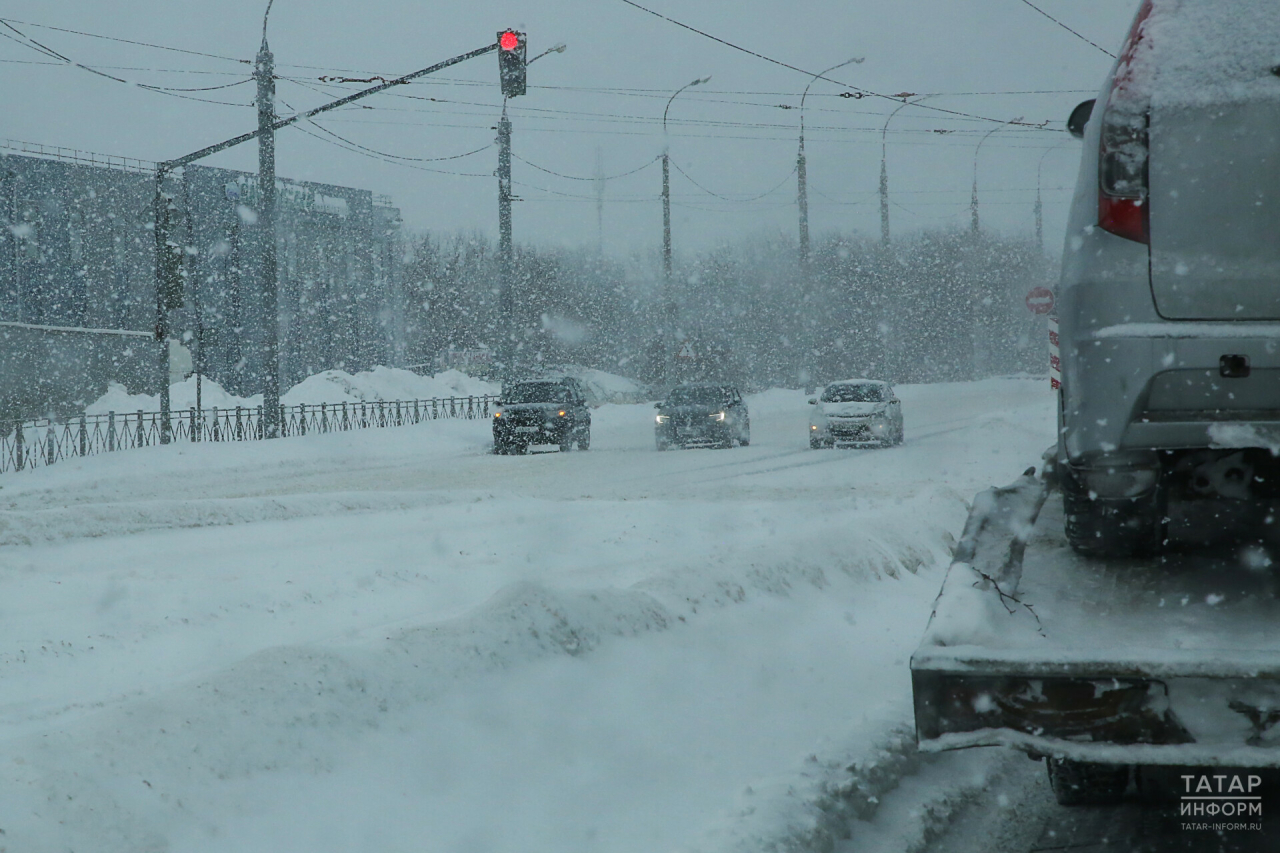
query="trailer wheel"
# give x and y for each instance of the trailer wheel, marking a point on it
(1122, 527)
(1079, 783)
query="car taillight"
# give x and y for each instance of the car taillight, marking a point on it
(1124, 148)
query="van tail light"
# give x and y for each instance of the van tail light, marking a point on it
(1125, 148)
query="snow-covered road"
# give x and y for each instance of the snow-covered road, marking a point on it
(394, 640)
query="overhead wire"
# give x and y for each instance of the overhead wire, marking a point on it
(406, 162)
(126, 41)
(862, 91)
(1068, 29)
(38, 47)
(726, 198)
(596, 178)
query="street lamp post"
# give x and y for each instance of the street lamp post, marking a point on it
(666, 182)
(1039, 209)
(667, 287)
(884, 170)
(973, 200)
(802, 191)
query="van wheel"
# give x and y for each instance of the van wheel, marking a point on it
(584, 442)
(1079, 783)
(1122, 527)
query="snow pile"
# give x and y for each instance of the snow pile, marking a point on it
(384, 383)
(331, 386)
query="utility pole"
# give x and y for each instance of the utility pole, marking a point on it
(884, 202)
(264, 72)
(506, 266)
(666, 220)
(802, 197)
(161, 211)
(1039, 222)
(599, 201)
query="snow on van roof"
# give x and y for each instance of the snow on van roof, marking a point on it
(1202, 52)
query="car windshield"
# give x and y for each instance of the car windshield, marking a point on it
(865, 393)
(698, 396)
(535, 392)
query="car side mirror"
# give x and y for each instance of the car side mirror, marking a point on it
(657, 405)
(813, 401)
(1079, 118)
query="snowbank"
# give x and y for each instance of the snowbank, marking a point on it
(331, 386)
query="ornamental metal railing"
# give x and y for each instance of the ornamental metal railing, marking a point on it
(33, 444)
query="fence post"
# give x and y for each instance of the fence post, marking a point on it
(258, 430)
(141, 435)
(399, 419)
(111, 431)
(284, 426)
(302, 419)
(239, 433)
(364, 416)
(214, 432)
(324, 417)
(84, 437)
(346, 424)
(18, 450)
(193, 423)
(435, 409)
(416, 419)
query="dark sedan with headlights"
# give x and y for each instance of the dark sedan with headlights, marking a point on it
(552, 411)
(708, 415)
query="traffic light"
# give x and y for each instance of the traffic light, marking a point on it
(511, 62)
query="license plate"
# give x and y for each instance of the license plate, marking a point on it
(527, 429)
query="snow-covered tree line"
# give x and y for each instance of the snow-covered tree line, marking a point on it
(936, 306)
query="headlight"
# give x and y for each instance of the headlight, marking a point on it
(718, 416)
(662, 419)
(497, 414)
(560, 413)
(811, 426)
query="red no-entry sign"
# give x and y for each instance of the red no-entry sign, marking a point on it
(1040, 300)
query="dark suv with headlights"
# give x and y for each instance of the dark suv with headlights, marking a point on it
(709, 415)
(542, 411)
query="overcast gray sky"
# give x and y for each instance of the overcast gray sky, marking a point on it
(606, 93)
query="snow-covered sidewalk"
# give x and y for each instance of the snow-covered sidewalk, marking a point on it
(394, 640)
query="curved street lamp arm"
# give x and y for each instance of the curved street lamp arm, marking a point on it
(820, 74)
(697, 82)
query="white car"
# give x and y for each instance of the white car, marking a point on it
(855, 411)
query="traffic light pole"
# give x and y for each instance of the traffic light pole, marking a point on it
(168, 293)
(506, 264)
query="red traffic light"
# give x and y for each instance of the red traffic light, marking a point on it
(509, 41)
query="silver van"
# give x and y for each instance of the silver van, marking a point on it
(1169, 302)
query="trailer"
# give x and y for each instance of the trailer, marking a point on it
(1101, 666)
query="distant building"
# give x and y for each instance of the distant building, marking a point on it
(77, 252)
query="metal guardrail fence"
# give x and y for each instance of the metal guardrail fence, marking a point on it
(43, 442)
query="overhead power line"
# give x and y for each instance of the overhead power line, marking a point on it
(127, 41)
(30, 43)
(867, 93)
(1068, 29)
(726, 198)
(591, 178)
